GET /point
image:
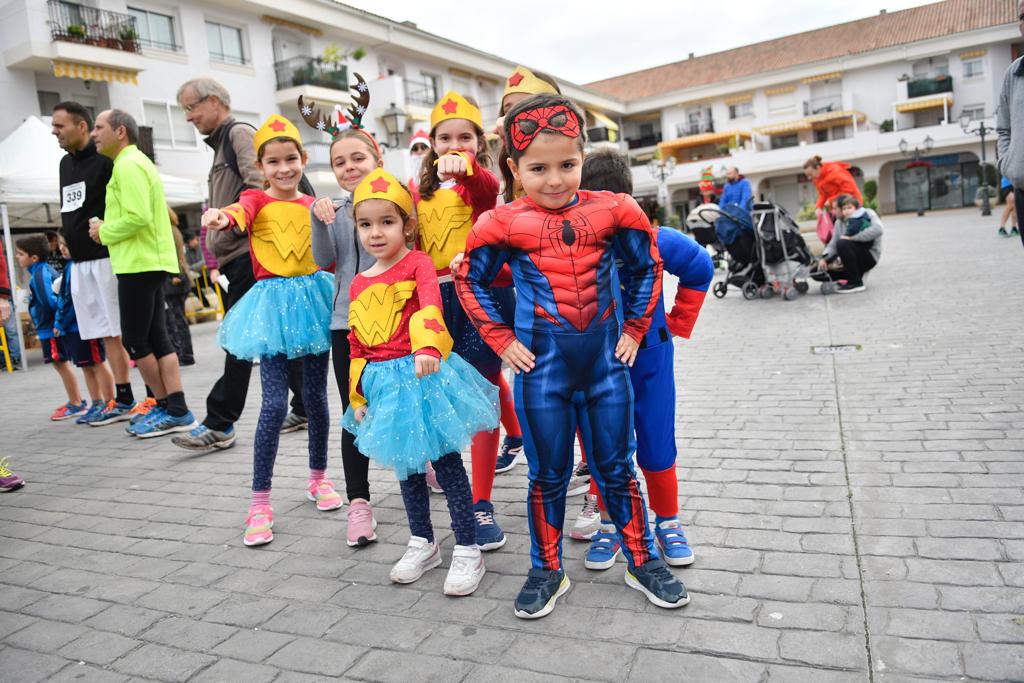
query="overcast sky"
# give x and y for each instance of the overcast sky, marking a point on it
(584, 42)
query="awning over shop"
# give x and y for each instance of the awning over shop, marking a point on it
(688, 141)
(920, 103)
(822, 77)
(89, 72)
(823, 120)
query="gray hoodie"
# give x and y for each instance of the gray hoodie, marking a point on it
(1010, 124)
(872, 233)
(338, 245)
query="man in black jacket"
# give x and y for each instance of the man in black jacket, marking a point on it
(84, 174)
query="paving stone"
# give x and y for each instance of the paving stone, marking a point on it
(568, 657)
(316, 657)
(920, 657)
(125, 620)
(671, 667)
(99, 647)
(188, 634)
(45, 636)
(252, 645)
(66, 608)
(812, 617)
(385, 667)
(24, 666)
(994, 662)
(823, 649)
(80, 671)
(165, 663)
(731, 639)
(234, 670)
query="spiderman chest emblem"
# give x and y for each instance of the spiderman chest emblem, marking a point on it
(568, 255)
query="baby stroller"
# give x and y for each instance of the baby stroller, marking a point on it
(740, 257)
(784, 255)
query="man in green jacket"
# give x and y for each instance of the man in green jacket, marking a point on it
(137, 233)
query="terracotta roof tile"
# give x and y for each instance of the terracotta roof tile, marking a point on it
(874, 33)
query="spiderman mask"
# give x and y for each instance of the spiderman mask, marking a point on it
(529, 124)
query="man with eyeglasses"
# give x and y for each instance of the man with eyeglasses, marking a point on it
(207, 106)
(1010, 127)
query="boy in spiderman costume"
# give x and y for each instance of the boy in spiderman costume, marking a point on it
(566, 338)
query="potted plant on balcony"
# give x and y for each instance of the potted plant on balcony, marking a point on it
(129, 39)
(76, 32)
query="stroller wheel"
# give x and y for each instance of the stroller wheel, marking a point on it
(828, 288)
(720, 289)
(767, 292)
(790, 294)
(749, 291)
(801, 286)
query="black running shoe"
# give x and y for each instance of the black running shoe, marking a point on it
(538, 595)
(661, 587)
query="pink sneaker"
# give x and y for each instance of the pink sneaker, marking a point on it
(432, 479)
(361, 523)
(258, 526)
(325, 496)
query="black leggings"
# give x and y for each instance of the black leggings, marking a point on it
(143, 320)
(356, 465)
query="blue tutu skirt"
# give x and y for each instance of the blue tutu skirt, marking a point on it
(410, 421)
(281, 315)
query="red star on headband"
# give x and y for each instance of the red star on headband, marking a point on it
(433, 325)
(277, 126)
(380, 185)
(450, 106)
(515, 79)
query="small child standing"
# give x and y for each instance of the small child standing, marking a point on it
(32, 253)
(285, 315)
(87, 354)
(412, 400)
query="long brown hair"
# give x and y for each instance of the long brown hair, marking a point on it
(429, 182)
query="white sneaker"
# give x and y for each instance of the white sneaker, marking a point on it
(580, 482)
(466, 571)
(420, 556)
(588, 522)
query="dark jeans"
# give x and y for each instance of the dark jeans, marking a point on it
(357, 465)
(1018, 200)
(227, 398)
(857, 260)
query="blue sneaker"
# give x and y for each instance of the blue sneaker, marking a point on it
(136, 421)
(661, 587)
(489, 535)
(672, 541)
(202, 439)
(164, 423)
(538, 595)
(113, 412)
(94, 410)
(68, 411)
(604, 549)
(511, 454)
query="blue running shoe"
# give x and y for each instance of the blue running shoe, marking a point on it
(202, 439)
(604, 549)
(673, 544)
(661, 587)
(489, 535)
(94, 410)
(113, 412)
(165, 423)
(136, 422)
(511, 454)
(538, 595)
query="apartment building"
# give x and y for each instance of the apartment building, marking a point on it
(857, 92)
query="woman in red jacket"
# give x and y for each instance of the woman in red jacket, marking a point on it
(832, 178)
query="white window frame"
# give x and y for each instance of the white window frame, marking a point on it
(747, 111)
(169, 108)
(171, 14)
(974, 61)
(242, 38)
(971, 108)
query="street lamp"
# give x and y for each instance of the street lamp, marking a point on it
(983, 130)
(394, 124)
(926, 146)
(661, 170)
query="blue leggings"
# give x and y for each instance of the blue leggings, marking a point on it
(451, 475)
(274, 381)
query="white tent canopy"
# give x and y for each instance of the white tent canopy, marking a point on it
(29, 171)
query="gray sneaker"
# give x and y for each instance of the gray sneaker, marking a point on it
(202, 439)
(293, 423)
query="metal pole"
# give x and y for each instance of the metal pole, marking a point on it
(986, 207)
(920, 190)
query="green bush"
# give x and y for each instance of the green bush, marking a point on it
(806, 212)
(870, 190)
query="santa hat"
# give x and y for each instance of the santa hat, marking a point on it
(420, 137)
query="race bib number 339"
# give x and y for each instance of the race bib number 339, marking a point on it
(73, 196)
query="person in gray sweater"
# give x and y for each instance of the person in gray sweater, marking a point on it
(354, 154)
(856, 242)
(1010, 127)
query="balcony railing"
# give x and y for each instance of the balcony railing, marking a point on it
(920, 87)
(419, 93)
(822, 105)
(310, 71)
(695, 128)
(644, 141)
(76, 23)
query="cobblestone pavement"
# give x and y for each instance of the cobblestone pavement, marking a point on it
(856, 517)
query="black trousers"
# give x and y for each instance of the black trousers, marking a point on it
(226, 400)
(857, 260)
(1018, 201)
(143, 320)
(357, 465)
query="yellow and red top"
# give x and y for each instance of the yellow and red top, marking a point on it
(280, 236)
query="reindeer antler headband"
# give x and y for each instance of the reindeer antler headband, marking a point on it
(354, 119)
